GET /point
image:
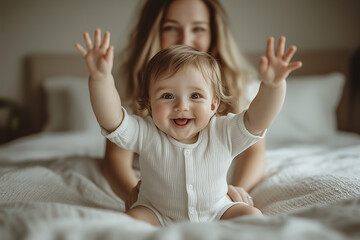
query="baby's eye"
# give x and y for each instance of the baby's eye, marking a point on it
(195, 96)
(167, 96)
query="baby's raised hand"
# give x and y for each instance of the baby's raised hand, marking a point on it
(98, 56)
(276, 65)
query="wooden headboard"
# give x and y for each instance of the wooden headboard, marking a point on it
(39, 67)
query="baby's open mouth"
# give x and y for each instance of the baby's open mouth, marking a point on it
(181, 121)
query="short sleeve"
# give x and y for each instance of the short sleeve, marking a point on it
(127, 135)
(252, 89)
(231, 131)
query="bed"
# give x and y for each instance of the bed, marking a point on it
(51, 185)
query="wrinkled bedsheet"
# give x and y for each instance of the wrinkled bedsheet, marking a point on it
(311, 191)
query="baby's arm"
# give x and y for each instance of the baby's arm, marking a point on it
(273, 70)
(104, 97)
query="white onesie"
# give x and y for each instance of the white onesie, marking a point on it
(184, 181)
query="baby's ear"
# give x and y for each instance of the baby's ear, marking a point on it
(215, 104)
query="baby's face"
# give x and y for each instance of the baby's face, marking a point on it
(182, 105)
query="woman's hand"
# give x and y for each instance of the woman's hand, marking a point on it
(98, 56)
(132, 198)
(276, 65)
(238, 194)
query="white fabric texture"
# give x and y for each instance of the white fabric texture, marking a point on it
(68, 198)
(43, 145)
(190, 178)
(309, 110)
(303, 175)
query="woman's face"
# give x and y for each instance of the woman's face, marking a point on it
(186, 22)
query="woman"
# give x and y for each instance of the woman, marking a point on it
(201, 24)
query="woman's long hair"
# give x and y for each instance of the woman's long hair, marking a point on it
(144, 43)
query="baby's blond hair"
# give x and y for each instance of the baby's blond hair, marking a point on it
(169, 61)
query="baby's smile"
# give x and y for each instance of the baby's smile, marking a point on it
(181, 122)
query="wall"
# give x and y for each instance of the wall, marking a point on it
(50, 26)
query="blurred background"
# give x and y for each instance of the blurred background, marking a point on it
(48, 26)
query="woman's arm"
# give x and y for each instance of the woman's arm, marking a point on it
(249, 171)
(250, 166)
(117, 169)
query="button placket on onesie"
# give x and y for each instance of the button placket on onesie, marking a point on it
(187, 168)
(190, 180)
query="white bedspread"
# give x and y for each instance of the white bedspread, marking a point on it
(311, 191)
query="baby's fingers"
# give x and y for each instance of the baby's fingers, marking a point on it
(289, 54)
(80, 49)
(106, 41)
(294, 65)
(270, 48)
(87, 40)
(97, 37)
(109, 54)
(263, 65)
(280, 47)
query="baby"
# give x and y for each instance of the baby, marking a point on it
(185, 149)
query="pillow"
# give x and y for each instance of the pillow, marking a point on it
(309, 111)
(68, 105)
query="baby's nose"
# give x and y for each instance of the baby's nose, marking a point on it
(181, 105)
